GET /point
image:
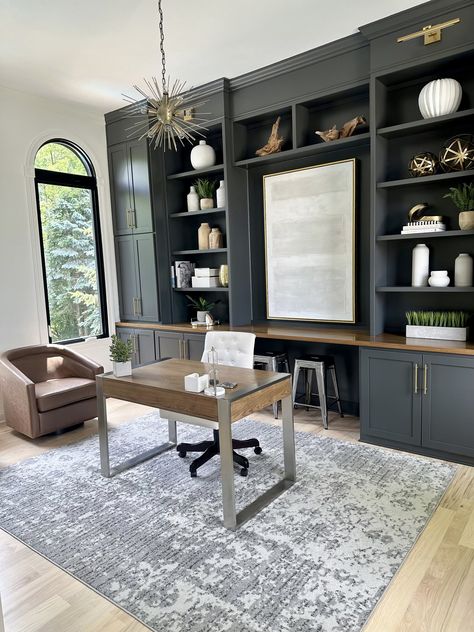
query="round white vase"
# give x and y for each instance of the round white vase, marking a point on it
(193, 200)
(220, 195)
(439, 278)
(420, 265)
(203, 156)
(439, 97)
(463, 270)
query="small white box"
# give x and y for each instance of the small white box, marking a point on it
(196, 383)
(205, 282)
(206, 272)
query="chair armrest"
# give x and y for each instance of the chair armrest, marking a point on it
(90, 367)
(19, 399)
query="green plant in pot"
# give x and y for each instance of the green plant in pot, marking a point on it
(205, 190)
(462, 197)
(121, 356)
(202, 307)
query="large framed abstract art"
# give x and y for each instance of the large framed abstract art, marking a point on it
(310, 243)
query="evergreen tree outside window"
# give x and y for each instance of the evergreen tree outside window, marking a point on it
(66, 194)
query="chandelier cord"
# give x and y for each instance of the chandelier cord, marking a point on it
(162, 48)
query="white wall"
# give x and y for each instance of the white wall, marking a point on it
(26, 121)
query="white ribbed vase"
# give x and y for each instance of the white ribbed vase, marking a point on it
(439, 97)
(420, 267)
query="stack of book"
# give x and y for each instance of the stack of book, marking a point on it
(181, 274)
(423, 227)
(205, 277)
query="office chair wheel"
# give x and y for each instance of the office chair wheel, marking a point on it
(182, 453)
(244, 471)
(193, 473)
(257, 450)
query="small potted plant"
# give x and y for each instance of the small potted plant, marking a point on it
(462, 197)
(202, 307)
(205, 190)
(437, 325)
(121, 354)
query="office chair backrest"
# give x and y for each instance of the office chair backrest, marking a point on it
(234, 348)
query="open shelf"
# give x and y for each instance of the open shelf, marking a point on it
(423, 125)
(446, 233)
(193, 173)
(199, 252)
(352, 142)
(440, 177)
(408, 288)
(209, 211)
(201, 289)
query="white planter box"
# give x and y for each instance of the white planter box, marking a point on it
(122, 369)
(437, 333)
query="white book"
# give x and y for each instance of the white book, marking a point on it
(205, 281)
(206, 272)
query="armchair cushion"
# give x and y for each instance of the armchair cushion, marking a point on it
(61, 392)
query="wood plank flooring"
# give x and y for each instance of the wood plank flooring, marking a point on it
(432, 592)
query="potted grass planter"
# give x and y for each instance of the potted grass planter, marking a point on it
(121, 356)
(438, 325)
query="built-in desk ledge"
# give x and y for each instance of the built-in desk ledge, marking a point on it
(346, 337)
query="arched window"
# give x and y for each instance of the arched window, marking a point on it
(73, 270)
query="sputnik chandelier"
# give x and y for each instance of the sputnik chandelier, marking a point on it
(169, 113)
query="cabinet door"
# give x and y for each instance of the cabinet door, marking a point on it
(126, 334)
(194, 346)
(448, 405)
(168, 344)
(389, 407)
(120, 188)
(147, 281)
(140, 186)
(145, 341)
(127, 276)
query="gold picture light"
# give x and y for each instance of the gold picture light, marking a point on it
(431, 34)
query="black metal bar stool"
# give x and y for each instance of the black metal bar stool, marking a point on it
(320, 365)
(272, 361)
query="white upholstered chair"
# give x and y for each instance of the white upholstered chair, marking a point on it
(234, 348)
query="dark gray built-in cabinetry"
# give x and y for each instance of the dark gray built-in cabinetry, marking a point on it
(143, 344)
(418, 400)
(150, 345)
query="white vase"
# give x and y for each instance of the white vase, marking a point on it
(122, 369)
(220, 195)
(420, 265)
(203, 156)
(439, 278)
(463, 270)
(439, 97)
(193, 200)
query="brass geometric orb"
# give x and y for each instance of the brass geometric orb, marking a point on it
(423, 164)
(458, 153)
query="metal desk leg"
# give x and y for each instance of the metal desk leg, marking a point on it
(227, 464)
(103, 431)
(288, 439)
(172, 434)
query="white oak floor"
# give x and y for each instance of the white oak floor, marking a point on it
(432, 592)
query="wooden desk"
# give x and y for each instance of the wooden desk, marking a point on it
(162, 385)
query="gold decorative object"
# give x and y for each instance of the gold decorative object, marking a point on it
(423, 164)
(169, 114)
(346, 130)
(416, 214)
(430, 34)
(274, 143)
(224, 275)
(458, 153)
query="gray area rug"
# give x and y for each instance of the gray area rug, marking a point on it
(151, 539)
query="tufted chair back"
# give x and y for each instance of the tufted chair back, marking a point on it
(234, 348)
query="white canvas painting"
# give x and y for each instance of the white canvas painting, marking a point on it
(309, 243)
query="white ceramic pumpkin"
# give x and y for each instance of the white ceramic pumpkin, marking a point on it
(440, 97)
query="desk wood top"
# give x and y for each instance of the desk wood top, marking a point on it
(162, 385)
(349, 337)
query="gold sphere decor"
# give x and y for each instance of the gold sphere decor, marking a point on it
(423, 164)
(458, 153)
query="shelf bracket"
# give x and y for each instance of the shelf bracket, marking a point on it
(430, 34)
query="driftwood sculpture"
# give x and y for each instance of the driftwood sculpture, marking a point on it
(274, 143)
(346, 130)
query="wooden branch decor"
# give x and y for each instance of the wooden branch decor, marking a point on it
(346, 130)
(274, 143)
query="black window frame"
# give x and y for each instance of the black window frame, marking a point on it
(45, 176)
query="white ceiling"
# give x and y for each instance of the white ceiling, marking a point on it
(91, 51)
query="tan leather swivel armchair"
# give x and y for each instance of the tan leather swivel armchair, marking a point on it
(47, 388)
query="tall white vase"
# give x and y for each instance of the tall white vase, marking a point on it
(439, 97)
(193, 200)
(420, 265)
(203, 156)
(463, 270)
(220, 195)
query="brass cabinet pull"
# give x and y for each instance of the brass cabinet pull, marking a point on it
(180, 346)
(133, 218)
(185, 349)
(129, 219)
(135, 344)
(425, 379)
(134, 306)
(139, 306)
(415, 378)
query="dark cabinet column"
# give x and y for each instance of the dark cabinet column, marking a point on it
(140, 186)
(120, 189)
(390, 408)
(147, 281)
(127, 276)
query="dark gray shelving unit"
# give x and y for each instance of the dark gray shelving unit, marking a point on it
(441, 234)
